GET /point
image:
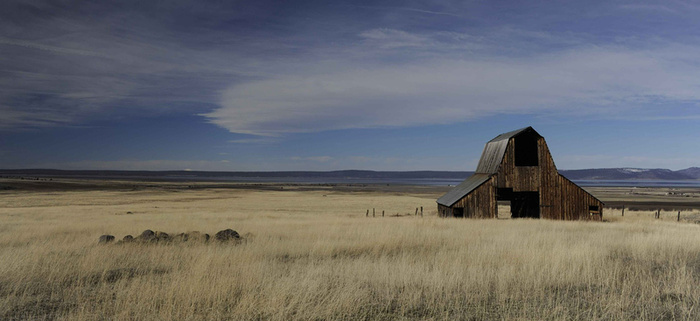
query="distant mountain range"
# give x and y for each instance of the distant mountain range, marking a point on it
(632, 174)
(692, 173)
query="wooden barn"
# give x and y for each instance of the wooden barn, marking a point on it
(517, 167)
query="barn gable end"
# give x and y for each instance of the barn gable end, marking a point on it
(517, 166)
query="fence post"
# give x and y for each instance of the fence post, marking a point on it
(679, 217)
(623, 210)
(416, 212)
(382, 213)
(367, 215)
(372, 211)
(421, 211)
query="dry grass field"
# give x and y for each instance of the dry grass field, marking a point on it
(313, 255)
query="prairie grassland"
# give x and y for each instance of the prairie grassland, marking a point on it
(313, 255)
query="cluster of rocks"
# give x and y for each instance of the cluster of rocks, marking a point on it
(149, 236)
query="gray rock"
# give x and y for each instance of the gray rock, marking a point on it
(227, 235)
(191, 236)
(104, 239)
(161, 236)
(147, 236)
(182, 237)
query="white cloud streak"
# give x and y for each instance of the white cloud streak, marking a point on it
(34, 45)
(589, 81)
(60, 68)
(320, 159)
(422, 11)
(391, 38)
(256, 140)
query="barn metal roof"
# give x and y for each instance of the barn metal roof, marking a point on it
(511, 134)
(494, 150)
(463, 189)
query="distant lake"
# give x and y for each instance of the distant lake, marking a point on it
(434, 181)
(280, 179)
(321, 180)
(639, 183)
(444, 181)
(296, 179)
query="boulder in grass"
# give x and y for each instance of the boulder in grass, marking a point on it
(227, 235)
(192, 236)
(126, 239)
(104, 239)
(161, 236)
(182, 237)
(147, 236)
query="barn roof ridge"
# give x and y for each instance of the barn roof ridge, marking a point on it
(495, 149)
(512, 134)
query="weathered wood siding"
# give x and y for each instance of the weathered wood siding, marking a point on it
(480, 203)
(550, 191)
(574, 202)
(444, 211)
(559, 198)
(522, 178)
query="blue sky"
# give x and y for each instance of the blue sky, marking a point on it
(329, 85)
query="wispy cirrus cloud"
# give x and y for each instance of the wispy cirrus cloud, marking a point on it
(72, 63)
(320, 159)
(391, 38)
(650, 7)
(269, 70)
(589, 81)
(60, 50)
(256, 140)
(411, 9)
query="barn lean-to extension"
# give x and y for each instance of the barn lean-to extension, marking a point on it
(517, 167)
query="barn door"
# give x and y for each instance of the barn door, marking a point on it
(525, 204)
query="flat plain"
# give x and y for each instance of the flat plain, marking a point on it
(311, 252)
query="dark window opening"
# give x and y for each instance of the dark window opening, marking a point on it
(458, 212)
(594, 209)
(526, 150)
(504, 194)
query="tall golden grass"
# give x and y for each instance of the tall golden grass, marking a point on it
(315, 256)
